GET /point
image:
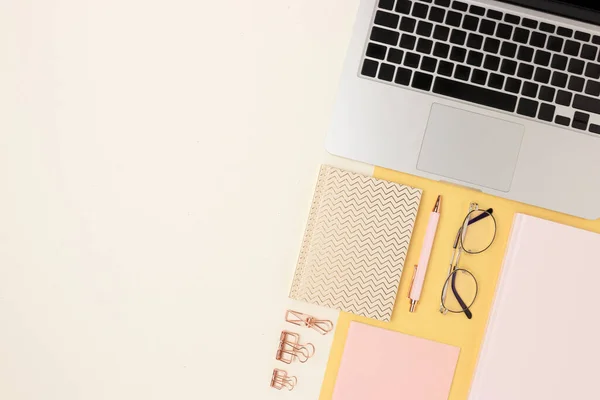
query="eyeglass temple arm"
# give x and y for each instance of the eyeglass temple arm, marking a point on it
(486, 214)
(466, 310)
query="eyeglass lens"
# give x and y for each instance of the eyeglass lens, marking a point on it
(462, 291)
(480, 232)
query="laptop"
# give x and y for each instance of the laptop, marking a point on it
(499, 96)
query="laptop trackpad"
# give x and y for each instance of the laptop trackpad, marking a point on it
(470, 147)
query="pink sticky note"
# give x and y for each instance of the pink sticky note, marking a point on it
(384, 365)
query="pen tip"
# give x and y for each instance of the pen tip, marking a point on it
(438, 204)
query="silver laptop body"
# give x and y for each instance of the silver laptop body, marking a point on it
(492, 114)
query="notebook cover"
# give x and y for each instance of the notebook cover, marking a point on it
(384, 365)
(542, 336)
(357, 236)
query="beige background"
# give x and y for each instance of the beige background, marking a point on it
(157, 160)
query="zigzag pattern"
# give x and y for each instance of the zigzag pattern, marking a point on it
(355, 244)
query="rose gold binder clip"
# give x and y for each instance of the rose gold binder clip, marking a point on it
(290, 348)
(322, 326)
(280, 380)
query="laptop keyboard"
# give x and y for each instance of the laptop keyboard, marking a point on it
(491, 58)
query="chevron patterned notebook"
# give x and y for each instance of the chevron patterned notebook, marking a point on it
(355, 243)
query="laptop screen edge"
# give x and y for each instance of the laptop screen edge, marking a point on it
(580, 10)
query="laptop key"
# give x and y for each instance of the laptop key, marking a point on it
(395, 56)
(559, 62)
(576, 84)
(403, 6)
(428, 64)
(513, 85)
(586, 103)
(441, 33)
(493, 14)
(512, 19)
(546, 112)
(443, 3)
(403, 76)
(580, 121)
(504, 31)
(595, 128)
(386, 4)
(462, 72)
(479, 76)
(583, 36)
(525, 71)
(458, 37)
(424, 46)
(496, 81)
(592, 88)
(437, 14)
(458, 54)
(529, 23)
(475, 94)
(487, 26)
(559, 79)
(460, 6)
(369, 68)
(508, 49)
(562, 120)
(521, 35)
(547, 94)
(424, 28)
(408, 42)
(525, 53)
(387, 19)
(474, 41)
(530, 90)
(527, 107)
(386, 72)
(386, 36)
(564, 98)
(596, 39)
(576, 66)
(441, 50)
(420, 10)
(566, 32)
(408, 24)
(542, 58)
(555, 43)
(453, 18)
(572, 48)
(475, 58)
(508, 67)
(375, 50)
(445, 68)
(589, 52)
(491, 62)
(477, 10)
(537, 39)
(592, 71)
(422, 81)
(542, 75)
(547, 27)
(470, 23)
(412, 60)
(491, 45)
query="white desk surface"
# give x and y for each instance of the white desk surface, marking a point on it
(157, 162)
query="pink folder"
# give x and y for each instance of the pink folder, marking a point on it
(382, 364)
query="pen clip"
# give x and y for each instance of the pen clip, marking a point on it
(412, 282)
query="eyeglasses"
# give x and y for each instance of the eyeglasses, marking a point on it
(475, 236)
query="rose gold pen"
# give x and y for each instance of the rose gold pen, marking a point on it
(421, 268)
